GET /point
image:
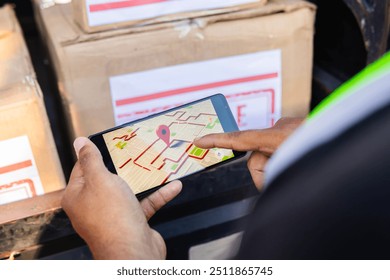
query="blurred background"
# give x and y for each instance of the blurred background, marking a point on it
(348, 35)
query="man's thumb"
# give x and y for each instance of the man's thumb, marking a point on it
(89, 157)
(79, 143)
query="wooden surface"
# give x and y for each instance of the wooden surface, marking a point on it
(26, 223)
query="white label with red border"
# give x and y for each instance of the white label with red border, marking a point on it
(19, 177)
(101, 12)
(251, 83)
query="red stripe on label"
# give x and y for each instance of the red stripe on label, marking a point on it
(15, 185)
(121, 4)
(16, 166)
(173, 92)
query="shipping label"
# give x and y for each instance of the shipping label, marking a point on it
(101, 12)
(250, 82)
(19, 178)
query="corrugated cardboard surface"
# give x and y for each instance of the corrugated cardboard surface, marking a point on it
(22, 111)
(84, 62)
(81, 17)
(15, 63)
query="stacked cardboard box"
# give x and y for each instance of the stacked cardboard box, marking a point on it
(260, 58)
(29, 163)
(100, 15)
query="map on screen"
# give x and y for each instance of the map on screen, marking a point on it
(149, 153)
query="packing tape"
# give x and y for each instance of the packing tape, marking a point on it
(185, 27)
(50, 3)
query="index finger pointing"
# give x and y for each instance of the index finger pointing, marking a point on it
(264, 141)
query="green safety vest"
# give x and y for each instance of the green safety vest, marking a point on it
(352, 102)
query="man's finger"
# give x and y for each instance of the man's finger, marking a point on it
(256, 165)
(266, 140)
(73, 189)
(90, 160)
(159, 198)
(76, 176)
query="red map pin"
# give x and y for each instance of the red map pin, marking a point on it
(163, 132)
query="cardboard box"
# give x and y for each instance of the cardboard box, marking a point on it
(29, 164)
(260, 58)
(100, 15)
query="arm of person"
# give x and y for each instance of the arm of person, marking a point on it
(263, 143)
(105, 212)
